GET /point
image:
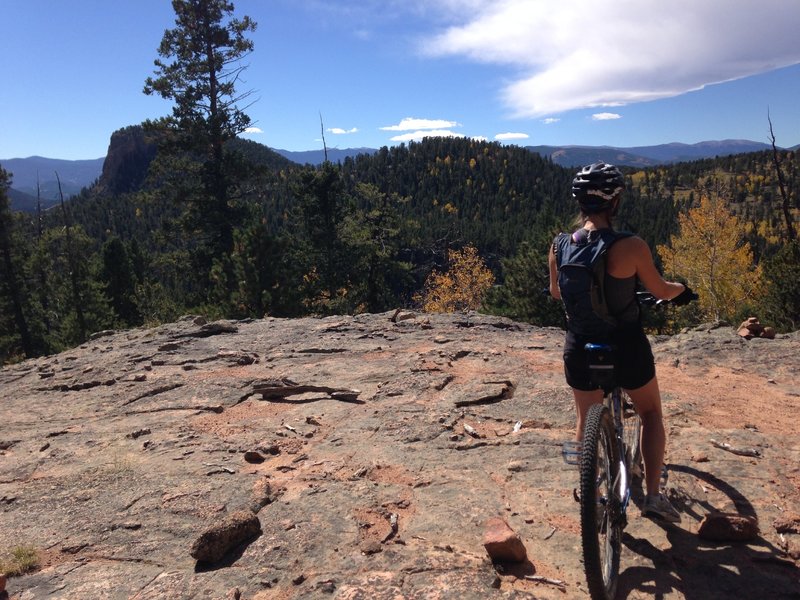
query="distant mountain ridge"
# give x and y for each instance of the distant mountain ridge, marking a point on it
(78, 174)
(26, 172)
(647, 156)
(317, 157)
(574, 156)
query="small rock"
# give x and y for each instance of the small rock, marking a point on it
(371, 547)
(262, 495)
(515, 466)
(728, 527)
(789, 523)
(233, 594)
(272, 449)
(216, 328)
(132, 526)
(401, 315)
(253, 457)
(139, 433)
(327, 587)
(502, 543)
(793, 550)
(214, 542)
(45, 447)
(299, 579)
(700, 457)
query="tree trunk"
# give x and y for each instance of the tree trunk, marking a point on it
(73, 271)
(787, 215)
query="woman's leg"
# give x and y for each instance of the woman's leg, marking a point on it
(583, 401)
(647, 400)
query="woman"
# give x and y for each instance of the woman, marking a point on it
(598, 189)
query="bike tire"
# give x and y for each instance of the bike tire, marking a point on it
(601, 527)
(632, 437)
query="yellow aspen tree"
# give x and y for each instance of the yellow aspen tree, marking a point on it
(461, 287)
(710, 253)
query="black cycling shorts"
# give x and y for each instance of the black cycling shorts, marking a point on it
(634, 365)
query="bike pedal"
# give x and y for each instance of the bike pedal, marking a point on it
(571, 452)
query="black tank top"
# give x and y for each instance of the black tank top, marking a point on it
(621, 299)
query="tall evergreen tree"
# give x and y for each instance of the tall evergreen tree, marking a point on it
(12, 285)
(119, 279)
(199, 67)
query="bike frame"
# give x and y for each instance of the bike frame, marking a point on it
(601, 366)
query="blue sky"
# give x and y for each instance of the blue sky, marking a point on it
(379, 72)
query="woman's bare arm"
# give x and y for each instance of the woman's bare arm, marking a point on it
(648, 274)
(551, 261)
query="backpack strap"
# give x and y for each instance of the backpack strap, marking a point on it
(558, 244)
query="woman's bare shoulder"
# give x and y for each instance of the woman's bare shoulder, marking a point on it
(632, 243)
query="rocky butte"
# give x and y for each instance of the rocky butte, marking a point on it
(365, 457)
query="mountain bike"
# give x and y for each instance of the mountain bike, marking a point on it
(609, 457)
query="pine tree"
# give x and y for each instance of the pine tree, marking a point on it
(119, 281)
(199, 67)
(12, 286)
(782, 294)
(523, 294)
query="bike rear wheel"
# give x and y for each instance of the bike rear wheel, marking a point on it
(601, 526)
(632, 436)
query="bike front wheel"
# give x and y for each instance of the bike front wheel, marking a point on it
(601, 522)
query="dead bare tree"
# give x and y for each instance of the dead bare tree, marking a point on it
(73, 268)
(322, 129)
(787, 215)
(45, 297)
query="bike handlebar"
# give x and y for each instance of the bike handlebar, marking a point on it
(647, 299)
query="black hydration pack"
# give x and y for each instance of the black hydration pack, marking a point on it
(581, 261)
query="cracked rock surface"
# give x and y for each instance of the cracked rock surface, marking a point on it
(373, 450)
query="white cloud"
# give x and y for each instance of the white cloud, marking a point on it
(252, 130)
(410, 123)
(550, 120)
(503, 137)
(573, 55)
(479, 138)
(416, 136)
(340, 131)
(605, 116)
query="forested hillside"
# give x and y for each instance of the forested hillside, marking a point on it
(358, 236)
